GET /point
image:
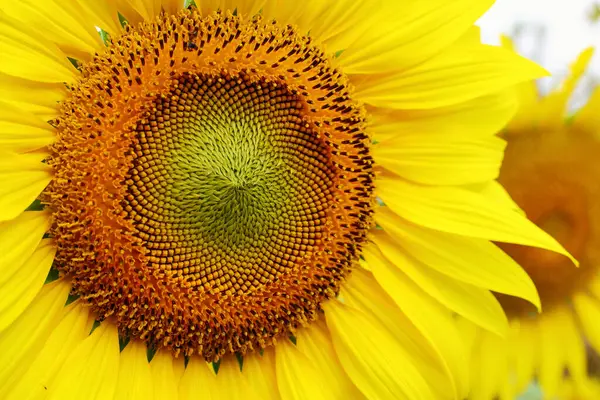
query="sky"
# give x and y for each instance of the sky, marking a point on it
(552, 32)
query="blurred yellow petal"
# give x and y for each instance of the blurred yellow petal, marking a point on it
(492, 360)
(588, 312)
(21, 131)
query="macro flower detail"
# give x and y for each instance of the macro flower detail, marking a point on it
(550, 170)
(265, 199)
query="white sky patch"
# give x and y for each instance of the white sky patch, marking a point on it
(552, 33)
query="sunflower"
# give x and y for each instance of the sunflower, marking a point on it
(551, 170)
(262, 199)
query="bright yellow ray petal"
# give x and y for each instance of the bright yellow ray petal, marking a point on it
(172, 6)
(260, 370)
(474, 303)
(25, 337)
(405, 34)
(18, 240)
(364, 293)
(198, 381)
(492, 360)
(163, 376)
(92, 369)
(588, 313)
(25, 283)
(60, 22)
(372, 357)
(73, 328)
(103, 13)
(442, 159)
(21, 131)
(463, 212)
(459, 74)
(144, 10)
(315, 343)
(38, 98)
(247, 8)
(135, 379)
(23, 177)
(26, 54)
(297, 376)
(481, 117)
(460, 257)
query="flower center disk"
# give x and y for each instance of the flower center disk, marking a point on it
(213, 183)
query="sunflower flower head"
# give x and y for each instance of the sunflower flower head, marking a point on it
(552, 172)
(268, 199)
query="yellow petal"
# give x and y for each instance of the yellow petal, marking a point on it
(463, 212)
(481, 117)
(23, 177)
(372, 357)
(38, 98)
(440, 330)
(163, 375)
(524, 352)
(315, 343)
(25, 283)
(25, 337)
(552, 355)
(260, 370)
(460, 257)
(26, 54)
(407, 33)
(492, 360)
(459, 74)
(143, 10)
(198, 381)
(92, 369)
(588, 312)
(135, 380)
(574, 346)
(472, 302)
(73, 328)
(442, 159)
(247, 8)
(363, 292)
(21, 131)
(297, 377)
(18, 240)
(61, 22)
(172, 6)
(103, 13)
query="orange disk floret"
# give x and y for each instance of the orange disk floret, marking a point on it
(213, 183)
